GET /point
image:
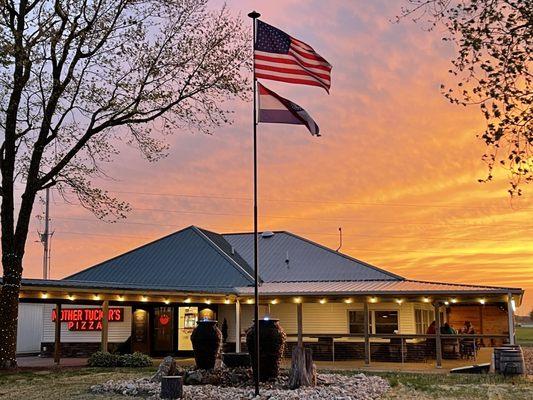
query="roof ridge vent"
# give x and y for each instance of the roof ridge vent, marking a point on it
(267, 234)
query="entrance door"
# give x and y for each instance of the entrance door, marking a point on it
(141, 328)
(163, 330)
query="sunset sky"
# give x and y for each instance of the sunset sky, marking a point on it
(397, 166)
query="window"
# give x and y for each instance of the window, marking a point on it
(357, 321)
(385, 322)
(423, 319)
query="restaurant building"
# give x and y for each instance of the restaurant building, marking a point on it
(150, 298)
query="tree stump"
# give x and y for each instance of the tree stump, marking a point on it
(303, 370)
(172, 387)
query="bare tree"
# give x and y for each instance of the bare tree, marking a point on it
(494, 44)
(77, 78)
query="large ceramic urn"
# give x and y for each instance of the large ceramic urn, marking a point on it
(206, 341)
(271, 346)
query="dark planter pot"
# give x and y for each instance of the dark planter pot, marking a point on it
(206, 341)
(271, 346)
(236, 360)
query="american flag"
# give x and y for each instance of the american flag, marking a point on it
(280, 57)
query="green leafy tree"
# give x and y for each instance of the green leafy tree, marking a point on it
(493, 70)
(77, 78)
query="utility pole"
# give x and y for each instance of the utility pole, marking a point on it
(46, 236)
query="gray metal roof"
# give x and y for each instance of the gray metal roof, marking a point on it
(405, 287)
(187, 258)
(307, 260)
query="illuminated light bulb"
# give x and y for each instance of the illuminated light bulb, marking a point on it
(227, 301)
(70, 297)
(144, 298)
(250, 301)
(348, 301)
(399, 301)
(373, 300)
(446, 303)
(167, 301)
(120, 298)
(322, 301)
(207, 301)
(274, 301)
(96, 297)
(297, 299)
(482, 301)
(425, 300)
(453, 301)
(513, 304)
(44, 295)
(187, 300)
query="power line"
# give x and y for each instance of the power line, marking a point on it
(321, 233)
(245, 198)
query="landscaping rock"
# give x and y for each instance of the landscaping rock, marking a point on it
(166, 368)
(193, 378)
(528, 359)
(329, 386)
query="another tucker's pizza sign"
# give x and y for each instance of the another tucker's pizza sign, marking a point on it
(87, 319)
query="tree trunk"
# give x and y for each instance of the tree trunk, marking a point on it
(171, 387)
(9, 295)
(303, 370)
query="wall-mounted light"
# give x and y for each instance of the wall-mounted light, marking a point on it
(274, 301)
(322, 301)
(297, 300)
(348, 301)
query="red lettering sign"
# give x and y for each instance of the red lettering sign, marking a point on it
(87, 319)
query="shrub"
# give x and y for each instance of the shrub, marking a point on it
(103, 359)
(135, 360)
(108, 360)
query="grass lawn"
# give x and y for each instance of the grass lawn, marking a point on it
(524, 336)
(74, 384)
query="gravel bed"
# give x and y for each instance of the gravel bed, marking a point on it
(330, 386)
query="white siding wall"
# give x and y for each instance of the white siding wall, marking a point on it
(318, 318)
(118, 331)
(30, 328)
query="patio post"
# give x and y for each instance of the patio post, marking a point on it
(299, 317)
(57, 340)
(438, 344)
(105, 325)
(237, 326)
(365, 331)
(510, 315)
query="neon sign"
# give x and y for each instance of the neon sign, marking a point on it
(87, 319)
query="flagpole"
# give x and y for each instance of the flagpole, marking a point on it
(254, 15)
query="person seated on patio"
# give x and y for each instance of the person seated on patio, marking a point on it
(430, 342)
(468, 346)
(450, 346)
(447, 329)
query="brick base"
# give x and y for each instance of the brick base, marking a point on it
(73, 350)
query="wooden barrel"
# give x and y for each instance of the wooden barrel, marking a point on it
(512, 362)
(497, 354)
